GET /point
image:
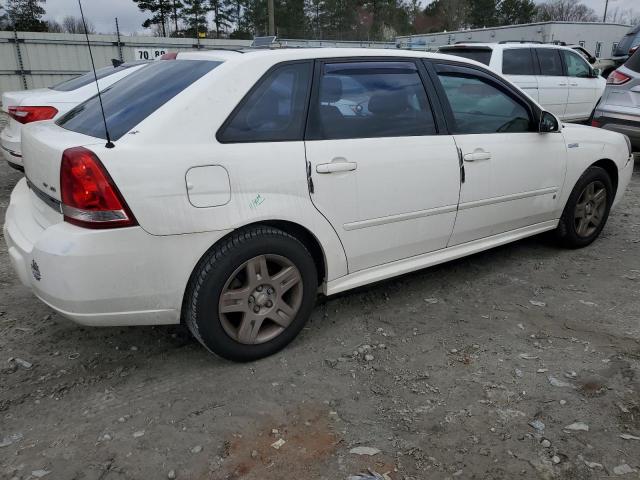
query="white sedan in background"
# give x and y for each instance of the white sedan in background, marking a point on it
(235, 189)
(28, 106)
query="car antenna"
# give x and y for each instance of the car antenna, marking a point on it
(109, 144)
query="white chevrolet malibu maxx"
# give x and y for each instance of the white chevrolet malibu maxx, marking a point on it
(238, 185)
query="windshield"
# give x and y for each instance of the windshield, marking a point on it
(134, 98)
(87, 78)
(482, 55)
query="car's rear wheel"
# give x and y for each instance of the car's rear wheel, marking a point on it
(587, 209)
(252, 294)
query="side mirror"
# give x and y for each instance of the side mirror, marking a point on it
(548, 123)
(595, 73)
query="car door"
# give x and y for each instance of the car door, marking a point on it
(518, 67)
(380, 172)
(553, 89)
(583, 86)
(512, 173)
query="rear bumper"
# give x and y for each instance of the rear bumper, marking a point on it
(11, 151)
(119, 276)
(624, 123)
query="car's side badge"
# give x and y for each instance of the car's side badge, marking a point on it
(573, 145)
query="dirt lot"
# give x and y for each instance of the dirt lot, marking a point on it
(491, 367)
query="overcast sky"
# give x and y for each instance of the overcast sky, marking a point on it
(101, 13)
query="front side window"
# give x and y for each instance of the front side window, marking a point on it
(576, 66)
(275, 110)
(517, 61)
(371, 99)
(479, 106)
(550, 63)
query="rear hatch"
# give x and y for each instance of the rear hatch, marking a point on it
(42, 146)
(626, 94)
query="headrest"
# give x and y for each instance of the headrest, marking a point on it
(330, 89)
(389, 103)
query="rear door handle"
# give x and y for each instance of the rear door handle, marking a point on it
(477, 155)
(336, 166)
(562, 84)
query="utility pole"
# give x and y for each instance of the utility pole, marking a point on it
(606, 5)
(272, 20)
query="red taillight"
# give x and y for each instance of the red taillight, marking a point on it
(32, 114)
(169, 56)
(595, 123)
(617, 78)
(89, 197)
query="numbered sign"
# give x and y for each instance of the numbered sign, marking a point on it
(149, 53)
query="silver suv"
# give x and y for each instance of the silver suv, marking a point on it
(619, 108)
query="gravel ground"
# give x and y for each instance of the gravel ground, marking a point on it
(520, 362)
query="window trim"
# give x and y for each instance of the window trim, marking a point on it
(312, 132)
(263, 78)
(446, 66)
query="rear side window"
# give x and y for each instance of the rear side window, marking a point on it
(576, 66)
(87, 78)
(550, 63)
(482, 55)
(135, 97)
(370, 99)
(517, 61)
(634, 62)
(274, 110)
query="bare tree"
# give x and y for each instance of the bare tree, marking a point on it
(71, 24)
(565, 11)
(624, 15)
(54, 27)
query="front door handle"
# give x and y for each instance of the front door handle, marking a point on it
(573, 84)
(477, 155)
(338, 165)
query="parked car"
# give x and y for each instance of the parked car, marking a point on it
(619, 109)
(234, 190)
(26, 106)
(557, 77)
(627, 46)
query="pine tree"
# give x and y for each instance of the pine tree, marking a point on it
(176, 7)
(482, 13)
(160, 13)
(194, 15)
(514, 12)
(26, 15)
(222, 15)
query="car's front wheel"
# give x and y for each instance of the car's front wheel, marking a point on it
(587, 209)
(252, 294)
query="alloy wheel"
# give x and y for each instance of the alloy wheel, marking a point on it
(260, 299)
(590, 209)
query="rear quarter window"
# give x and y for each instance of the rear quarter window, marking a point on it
(134, 98)
(482, 55)
(517, 61)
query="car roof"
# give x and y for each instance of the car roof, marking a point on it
(514, 44)
(284, 54)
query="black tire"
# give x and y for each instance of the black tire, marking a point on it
(211, 275)
(567, 231)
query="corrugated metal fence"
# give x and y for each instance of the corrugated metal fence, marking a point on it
(34, 60)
